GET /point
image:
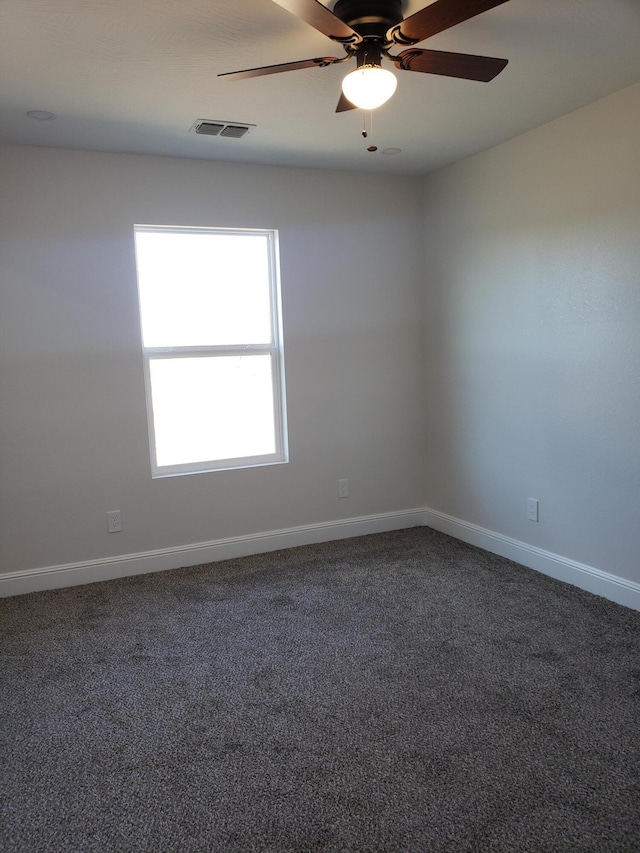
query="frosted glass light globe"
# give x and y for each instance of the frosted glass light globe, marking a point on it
(369, 86)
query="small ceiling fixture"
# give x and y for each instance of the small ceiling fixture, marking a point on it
(40, 115)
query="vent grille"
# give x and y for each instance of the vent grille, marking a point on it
(236, 131)
(209, 128)
(230, 129)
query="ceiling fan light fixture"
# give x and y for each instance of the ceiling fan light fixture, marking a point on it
(369, 86)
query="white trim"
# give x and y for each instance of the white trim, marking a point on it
(585, 577)
(72, 574)
(273, 348)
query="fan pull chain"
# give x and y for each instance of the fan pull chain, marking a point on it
(371, 147)
(365, 132)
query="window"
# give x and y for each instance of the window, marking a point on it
(212, 346)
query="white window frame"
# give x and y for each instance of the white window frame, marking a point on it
(274, 349)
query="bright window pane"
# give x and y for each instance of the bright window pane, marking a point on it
(201, 289)
(212, 408)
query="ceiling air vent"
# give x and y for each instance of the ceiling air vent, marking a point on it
(209, 127)
(234, 130)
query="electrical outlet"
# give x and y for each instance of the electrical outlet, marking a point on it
(343, 488)
(532, 509)
(114, 521)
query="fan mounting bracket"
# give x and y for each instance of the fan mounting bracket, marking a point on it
(371, 19)
(395, 36)
(404, 60)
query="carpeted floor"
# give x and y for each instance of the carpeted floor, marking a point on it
(396, 692)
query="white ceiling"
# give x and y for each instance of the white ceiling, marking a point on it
(134, 75)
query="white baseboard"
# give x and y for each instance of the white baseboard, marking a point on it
(72, 574)
(593, 580)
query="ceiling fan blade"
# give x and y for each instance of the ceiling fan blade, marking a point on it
(344, 104)
(437, 17)
(323, 19)
(465, 65)
(321, 62)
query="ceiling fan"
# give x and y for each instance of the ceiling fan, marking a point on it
(369, 29)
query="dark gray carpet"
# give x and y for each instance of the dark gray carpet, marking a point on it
(401, 692)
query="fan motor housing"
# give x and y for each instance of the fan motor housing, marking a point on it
(369, 18)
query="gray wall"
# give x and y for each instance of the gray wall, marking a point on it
(521, 379)
(533, 336)
(73, 420)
